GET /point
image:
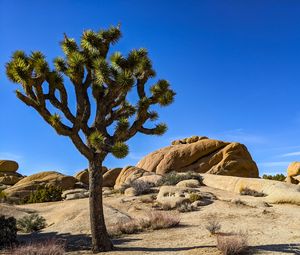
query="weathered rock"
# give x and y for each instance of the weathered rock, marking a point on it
(83, 176)
(291, 180)
(110, 177)
(188, 184)
(276, 191)
(9, 180)
(75, 194)
(152, 179)
(130, 192)
(8, 166)
(128, 175)
(293, 169)
(202, 156)
(30, 183)
(172, 197)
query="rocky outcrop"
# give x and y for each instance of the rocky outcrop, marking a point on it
(83, 176)
(75, 194)
(293, 173)
(276, 191)
(129, 174)
(8, 166)
(201, 155)
(24, 187)
(110, 177)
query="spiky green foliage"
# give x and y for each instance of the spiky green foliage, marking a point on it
(120, 150)
(88, 66)
(31, 223)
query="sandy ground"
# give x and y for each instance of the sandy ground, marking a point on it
(271, 230)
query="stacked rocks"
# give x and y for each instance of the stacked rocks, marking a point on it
(8, 174)
(293, 173)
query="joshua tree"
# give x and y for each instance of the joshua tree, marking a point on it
(101, 85)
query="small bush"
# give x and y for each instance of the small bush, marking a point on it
(3, 197)
(173, 178)
(194, 197)
(276, 177)
(213, 225)
(44, 194)
(239, 202)
(185, 207)
(50, 247)
(232, 244)
(251, 192)
(141, 187)
(31, 223)
(8, 231)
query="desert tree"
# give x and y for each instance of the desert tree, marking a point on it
(103, 119)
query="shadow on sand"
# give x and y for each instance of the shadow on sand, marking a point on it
(82, 242)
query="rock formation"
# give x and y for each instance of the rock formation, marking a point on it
(201, 155)
(293, 173)
(83, 176)
(8, 173)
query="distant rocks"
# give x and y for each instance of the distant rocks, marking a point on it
(202, 155)
(8, 166)
(110, 177)
(8, 173)
(293, 173)
(83, 176)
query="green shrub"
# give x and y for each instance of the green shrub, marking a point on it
(194, 197)
(141, 187)
(31, 223)
(8, 231)
(173, 178)
(276, 177)
(44, 194)
(3, 197)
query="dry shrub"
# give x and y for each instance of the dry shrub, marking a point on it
(213, 225)
(153, 220)
(50, 247)
(251, 192)
(186, 207)
(160, 220)
(141, 187)
(233, 244)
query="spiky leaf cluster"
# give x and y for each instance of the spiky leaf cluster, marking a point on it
(87, 65)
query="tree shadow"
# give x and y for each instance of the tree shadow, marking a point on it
(293, 248)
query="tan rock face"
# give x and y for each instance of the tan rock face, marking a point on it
(128, 175)
(83, 176)
(109, 178)
(293, 169)
(30, 183)
(202, 156)
(8, 166)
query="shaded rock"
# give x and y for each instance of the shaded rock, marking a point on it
(25, 186)
(110, 177)
(188, 184)
(80, 185)
(293, 169)
(128, 175)
(291, 180)
(8, 166)
(202, 156)
(75, 194)
(9, 180)
(83, 176)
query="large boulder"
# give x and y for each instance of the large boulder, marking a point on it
(128, 175)
(293, 169)
(110, 177)
(275, 191)
(8, 166)
(25, 186)
(203, 156)
(83, 176)
(9, 178)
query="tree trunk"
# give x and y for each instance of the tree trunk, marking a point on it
(100, 238)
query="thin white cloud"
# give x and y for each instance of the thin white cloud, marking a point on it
(274, 164)
(291, 154)
(10, 156)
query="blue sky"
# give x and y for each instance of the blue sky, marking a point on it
(234, 65)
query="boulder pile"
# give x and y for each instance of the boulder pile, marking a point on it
(8, 174)
(201, 155)
(293, 173)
